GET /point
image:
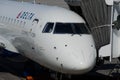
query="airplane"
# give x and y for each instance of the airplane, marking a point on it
(54, 37)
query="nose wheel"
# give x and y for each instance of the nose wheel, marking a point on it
(60, 76)
(56, 76)
(99, 61)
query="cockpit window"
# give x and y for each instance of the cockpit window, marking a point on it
(63, 28)
(71, 28)
(48, 28)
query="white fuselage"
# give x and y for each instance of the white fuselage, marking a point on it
(24, 26)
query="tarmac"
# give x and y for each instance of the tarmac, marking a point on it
(12, 68)
(9, 76)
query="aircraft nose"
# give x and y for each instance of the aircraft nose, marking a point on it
(85, 64)
(81, 64)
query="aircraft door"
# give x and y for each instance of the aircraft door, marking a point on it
(34, 27)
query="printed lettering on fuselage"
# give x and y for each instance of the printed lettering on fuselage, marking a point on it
(25, 15)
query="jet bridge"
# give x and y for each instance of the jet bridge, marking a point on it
(99, 17)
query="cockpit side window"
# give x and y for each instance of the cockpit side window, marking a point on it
(48, 28)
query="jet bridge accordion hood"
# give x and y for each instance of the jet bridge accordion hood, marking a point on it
(98, 17)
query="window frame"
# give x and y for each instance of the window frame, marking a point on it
(45, 27)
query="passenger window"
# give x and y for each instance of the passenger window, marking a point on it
(11, 20)
(14, 21)
(17, 22)
(48, 28)
(0, 18)
(24, 23)
(3, 18)
(6, 18)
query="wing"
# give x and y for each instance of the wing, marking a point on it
(7, 37)
(6, 44)
(15, 39)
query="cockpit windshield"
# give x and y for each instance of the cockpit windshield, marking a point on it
(71, 28)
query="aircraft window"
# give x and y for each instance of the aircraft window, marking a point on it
(0, 18)
(17, 21)
(6, 18)
(14, 21)
(21, 22)
(48, 28)
(71, 28)
(24, 23)
(9, 20)
(3, 18)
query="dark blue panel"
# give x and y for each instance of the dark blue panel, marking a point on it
(6, 53)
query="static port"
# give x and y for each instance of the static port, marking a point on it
(54, 47)
(65, 45)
